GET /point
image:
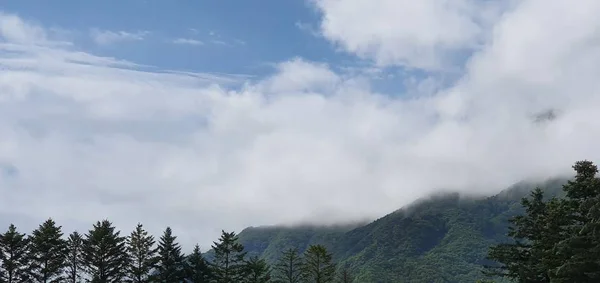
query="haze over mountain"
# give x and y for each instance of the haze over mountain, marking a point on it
(210, 115)
(443, 238)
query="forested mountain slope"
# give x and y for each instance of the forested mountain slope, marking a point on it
(441, 239)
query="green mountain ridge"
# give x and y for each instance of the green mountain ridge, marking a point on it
(443, 238)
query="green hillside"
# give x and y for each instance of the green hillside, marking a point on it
(441, 239)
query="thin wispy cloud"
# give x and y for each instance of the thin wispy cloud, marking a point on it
(218, 39)
(219, 42)
(308, 28)
(188, 41)
(107, 37)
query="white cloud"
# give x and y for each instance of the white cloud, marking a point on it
(107, 37)
(13, 29)
(300, 76)
(94, 140)
(188, 41)
(423, 34)
(307, 27)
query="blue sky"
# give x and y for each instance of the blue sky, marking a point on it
(238, 36)
(208, 115)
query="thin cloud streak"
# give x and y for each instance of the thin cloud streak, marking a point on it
(188, 41)
(107, 37)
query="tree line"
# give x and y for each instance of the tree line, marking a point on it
(103, 255)
(555, 239)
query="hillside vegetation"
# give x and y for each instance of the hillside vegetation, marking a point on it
(441, 239)
(546, 232)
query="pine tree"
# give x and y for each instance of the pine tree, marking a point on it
(288, 268)
(105, 254)
(197, 269)
(14, 250)
(74, 257)
(555, 240)
(257, 271)
(140, 246)
(228, 265)
(580, 251)
(530, 256)
(318, 265)
(345, 276)
(170, 261)
(48, 253)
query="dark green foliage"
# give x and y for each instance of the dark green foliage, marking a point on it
(74, 257)
(318, 265)
(228, 265)
(257, 271)
(48, 253)
(196, 267)
(444, 238)
(344, 276)
(530, 256)
(170, 263)
(441, 239)
(269, 242)
(579, 251)
(140, 246)
(288, 268)
(105, 254)
(555, 240)
(14, 249)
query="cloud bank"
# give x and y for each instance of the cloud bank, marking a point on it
(84, 137)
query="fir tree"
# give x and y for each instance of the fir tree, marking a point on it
(74, 257)
(522, 259)
(170, 261)
(228, 265)
(48, 253)
(580, 252)
(318, 265)
(140, 246)
(105, 254)
(14, 250)
(345, 276)
(288, 268)
(197, 269)
(555, 240)
(257, 271)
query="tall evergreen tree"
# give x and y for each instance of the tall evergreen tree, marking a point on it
(196, 268)
(14, 250)
(580, 252)
(74, 257)
(525, 259)
(105, 254)
(140, 246)
(318, 265)
(257, 271)
(170, 262)
(48, 253)
(228, 265)
(555, 240)
(345, 277)
(288, 268)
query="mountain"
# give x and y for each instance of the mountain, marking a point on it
(444, 238)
